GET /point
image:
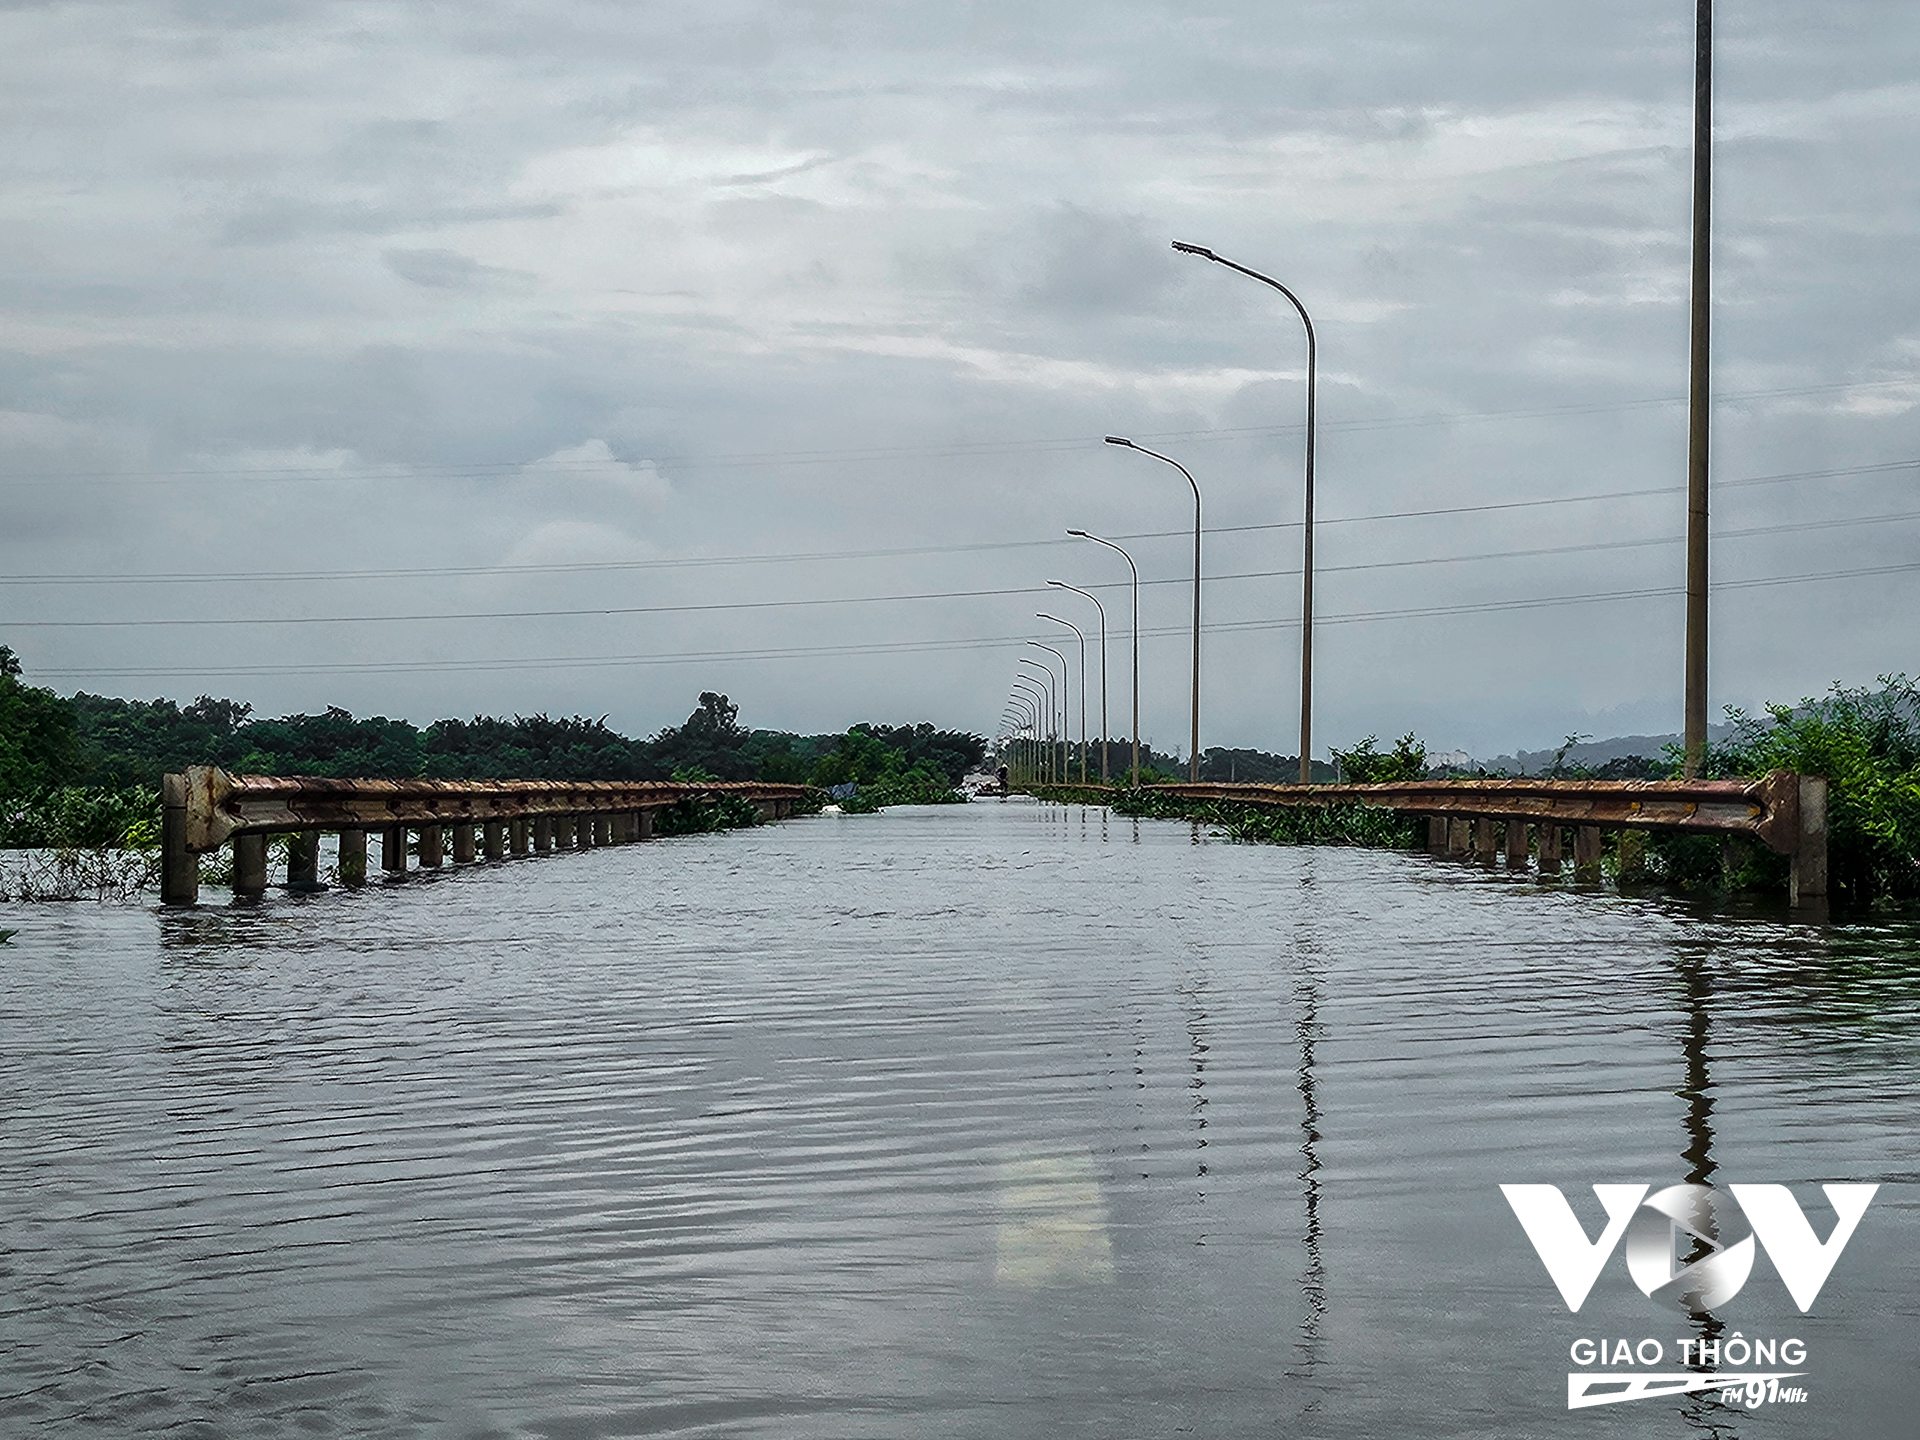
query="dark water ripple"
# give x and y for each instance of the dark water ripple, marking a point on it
(999, 1121)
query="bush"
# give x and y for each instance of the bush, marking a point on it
(1867, 745)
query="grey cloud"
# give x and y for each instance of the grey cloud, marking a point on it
(450, 270)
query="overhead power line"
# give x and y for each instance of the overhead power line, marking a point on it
(704, 607)
(797, 652)
(899, 552)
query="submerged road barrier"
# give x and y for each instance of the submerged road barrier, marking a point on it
(1784, 811)
(203, 808)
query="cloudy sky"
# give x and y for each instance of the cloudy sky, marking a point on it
(577, 357)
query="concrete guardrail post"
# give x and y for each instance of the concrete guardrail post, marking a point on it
(1807, 878)
(249, 865)
(303, 861)
(1586, 853)
(352, 862)
(1549, 849)
(179, 866)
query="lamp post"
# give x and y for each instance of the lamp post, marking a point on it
(1042, 615)
(1103, 670)
(1089, 535)
(1028, 689)
(1066, 690)
(1306, 583)
(1193, 762)
(1028, 715)
(1047, 670)
(1698, 395)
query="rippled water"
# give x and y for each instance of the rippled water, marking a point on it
(997, 1120)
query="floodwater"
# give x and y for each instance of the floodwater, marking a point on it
(997, 1120)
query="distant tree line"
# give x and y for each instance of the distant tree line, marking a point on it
(85, 769)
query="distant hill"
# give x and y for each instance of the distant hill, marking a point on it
(1592, 754)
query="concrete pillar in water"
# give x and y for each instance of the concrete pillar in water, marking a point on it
(303, 860)
(1549, 849)
(563, 832)
(1633, 856)
(1459, 836)
(353, 857)
(179, 866)
(493, 839)
(250, 865)
(393, 849)
(602, 830)
(463, 851)
(643, 825)
(542, 834)
(1436, 832)
(1586, 852)
(583, 832)
(1516, 844)
(519, 833)
(1807, 879)
(1483, 839)
(433, 847)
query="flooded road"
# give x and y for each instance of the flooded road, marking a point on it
(995, 1120)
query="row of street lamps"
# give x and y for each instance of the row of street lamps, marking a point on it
(1025, 712)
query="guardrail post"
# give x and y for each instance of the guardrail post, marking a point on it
(1586, 852)
(1550, 849)
(542, 834)
(1483, 839)
(393, 849)
(179, 866)
(519, 833)
(433, 847)
(303, 860)
(493, 839)
(1807, 879)
(1516, 844)
(352, 863)
(463, 851)
(1633, 856)
(249, 865)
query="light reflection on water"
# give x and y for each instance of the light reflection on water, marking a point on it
(1003, 1120)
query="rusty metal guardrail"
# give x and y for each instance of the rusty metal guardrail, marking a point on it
(204, 808)
(1783, 810)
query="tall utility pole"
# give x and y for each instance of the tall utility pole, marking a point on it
(1697, 390)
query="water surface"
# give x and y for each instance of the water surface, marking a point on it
(997, 1120)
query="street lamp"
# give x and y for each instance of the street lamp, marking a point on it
(1027, 689)
(1046, 670)
(1023, 720)
(1306, 584)
(1088, 535)
(1193, 763)
(1103, 669)
(1042, 615)
(1066, 689)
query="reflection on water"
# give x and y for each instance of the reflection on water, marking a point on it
(996, 1120)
